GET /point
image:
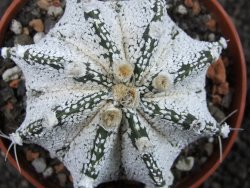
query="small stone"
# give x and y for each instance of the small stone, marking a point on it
(56, 3)
(181, 9)
(48, 172)
(217, 72)
(185, 164)
(14, 83)
(188, 3)
(209, 147)
(58, 168)
(16, 27)
(196, 8)
(24, 184)
(203, 160)
(225, 61)
(211, 139)
(223, 88)
(37, 25)
(216, 99)
(70, 178)
(39, 164)
(227, 99)
(38, 36)
(23, 39)
(215, 185)
(30, 155)
(55, 11)
(11, 74)
(21, 89)
(211, 37)
(43, 4)
(6, 94)
(9, 106)
(211, 24)
(26, 31)
(62, 179)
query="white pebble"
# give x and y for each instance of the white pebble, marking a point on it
(11, 74)
(209, 147)
(48, 172)
(182, 9)
(62, 179)
(211, 139)
(39, 164)
(211, 37)
(16, 27)
(38, 36)
(55, 11)
(185, 164)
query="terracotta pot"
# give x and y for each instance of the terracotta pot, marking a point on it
(239, 75)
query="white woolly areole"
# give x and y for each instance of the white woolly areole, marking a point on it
(86, 182)
(75, 69)
(126, 96)
(223, 42)
(111, 117)
(156, 29)
(20, 50)
(143, 144)
(123, 71)
(50, 119)
(225, 130)
(162, 82)
(4, 52)
(16, 139)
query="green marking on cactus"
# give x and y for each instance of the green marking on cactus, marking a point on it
(149, 43)
(184, 119)
(62, 151)
(88, 102)
(148, 85)
(137, 130)
(102, 32)
(94, 76)
(154, 171)
(174, 33)
(97, 153)
(187, 69)
(211, 129)
(32, 57)
(32, 130)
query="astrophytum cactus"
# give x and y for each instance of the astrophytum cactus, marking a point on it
(116, 90)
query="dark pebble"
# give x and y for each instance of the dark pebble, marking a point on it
(23, 39)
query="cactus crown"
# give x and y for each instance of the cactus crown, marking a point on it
(116, 90)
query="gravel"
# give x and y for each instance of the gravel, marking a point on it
(233, 172)
(39, 164)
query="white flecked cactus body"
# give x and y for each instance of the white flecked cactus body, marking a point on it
(116, 90)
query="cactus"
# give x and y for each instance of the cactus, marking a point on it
(116, 90)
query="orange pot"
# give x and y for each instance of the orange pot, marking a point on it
(238, 102)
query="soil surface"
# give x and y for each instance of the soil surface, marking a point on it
(235, 169)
